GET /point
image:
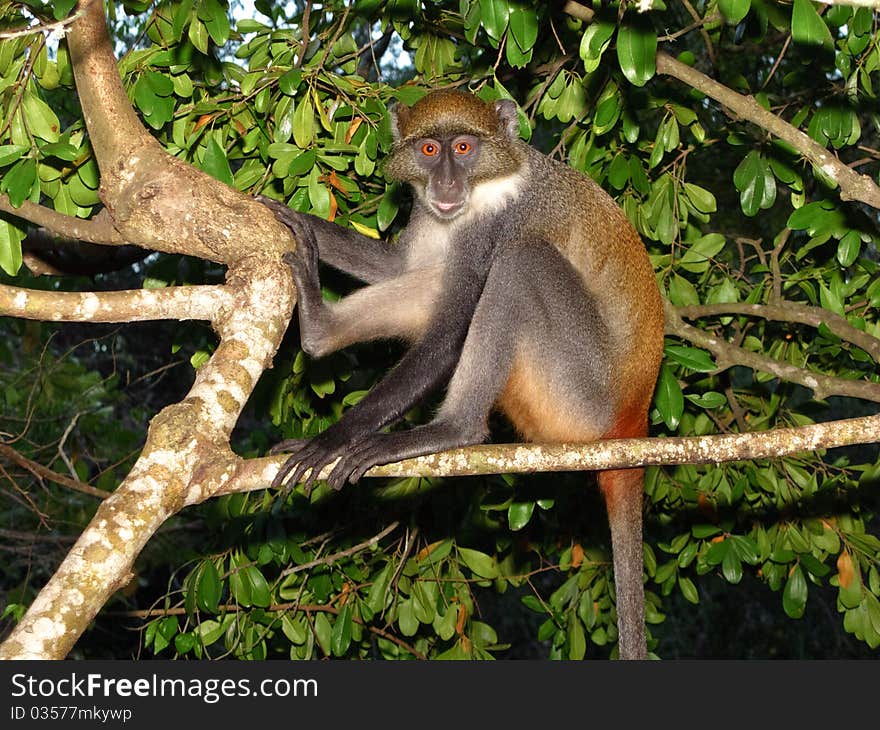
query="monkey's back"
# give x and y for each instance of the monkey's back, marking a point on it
(594, 235)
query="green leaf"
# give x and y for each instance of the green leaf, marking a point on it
(494, 15)
(387, 208)
(304, 123)
(734, 10)
(42, 122)
(848, 248)
(681, 292)
(637, 51)
(198, 36)
(216, 20)
(794, 597)
(289, 82)
(208, 587)
(406, 617)
(688, 589)
(594, 41)
(19, 181)
(668, 398)
(519, 514)
(323, 630)
(731, 567)
(524, 26)
(699, 253)
(10, 153)
(756, 183)
(61, 10)
(701, 199)
(444, 623)
(340, 636)
(480, 563)
(709, 400)
(577, 641)
(691, 357)
(261, 595)
(183, 643)
(807, 27)
(10, 247)
(318, 195)
(214, 162)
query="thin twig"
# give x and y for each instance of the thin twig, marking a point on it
(343, 553)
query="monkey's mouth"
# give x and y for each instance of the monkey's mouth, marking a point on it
(447, 210)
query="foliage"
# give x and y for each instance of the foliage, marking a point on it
(729, 215)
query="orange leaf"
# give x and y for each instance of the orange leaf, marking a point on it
(845, 569)
(705, 507)
(577, 555)
(462, 619)
(428, 549)
(334, 206)
(203, 120)
(353, 128)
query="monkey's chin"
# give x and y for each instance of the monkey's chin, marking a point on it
(446, 211)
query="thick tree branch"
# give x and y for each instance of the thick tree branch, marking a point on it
(156, 200)
(727, 355)
(99, 229)
(137, 305)
(791, 312)
(185, 460)
(114, 128)
(255, 474)
(853, 186)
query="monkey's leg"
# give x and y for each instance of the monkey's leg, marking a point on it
(482, 370)
(364, 258)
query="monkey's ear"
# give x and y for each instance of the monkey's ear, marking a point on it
(508, 119)
(399, 114)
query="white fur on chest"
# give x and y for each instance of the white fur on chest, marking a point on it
(428, 246)
(492, 195)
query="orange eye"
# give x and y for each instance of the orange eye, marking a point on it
(429, 149)
(463, 148)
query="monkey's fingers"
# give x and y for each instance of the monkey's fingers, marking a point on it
(285, 469)
(290, 446)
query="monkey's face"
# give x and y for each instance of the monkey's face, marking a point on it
(446, 166)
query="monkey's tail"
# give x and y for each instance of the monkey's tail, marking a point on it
(622, 489)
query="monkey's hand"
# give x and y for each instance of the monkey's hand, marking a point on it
(312, 455)
(385, 448)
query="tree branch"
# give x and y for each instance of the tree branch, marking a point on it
(42, 472)
(728, 355)
(136, 305)
(255, 474)
(100, 229)
(794, 312)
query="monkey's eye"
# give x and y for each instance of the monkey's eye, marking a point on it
(429, 149)
(462, 148)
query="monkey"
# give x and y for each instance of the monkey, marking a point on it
(519, 284)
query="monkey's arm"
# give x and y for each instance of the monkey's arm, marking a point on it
(364, 258)
(427, 365)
